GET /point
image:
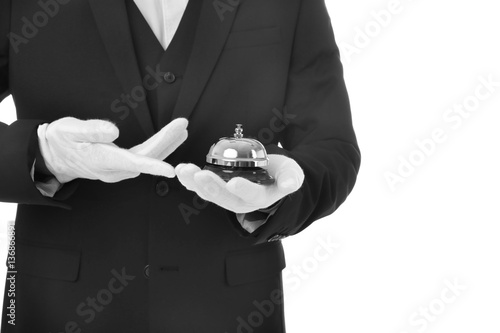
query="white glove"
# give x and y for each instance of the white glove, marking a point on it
(73, 148)
(165, 142)
(240, 195)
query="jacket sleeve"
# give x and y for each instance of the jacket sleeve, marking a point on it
(318, 130)
(19, 141)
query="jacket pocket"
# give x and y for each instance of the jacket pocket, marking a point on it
(249, 38)
(257, 263)
(47, 262)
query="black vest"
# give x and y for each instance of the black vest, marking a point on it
(163, 70)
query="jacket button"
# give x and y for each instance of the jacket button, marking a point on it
(169, 77)
(162, 188)
(146, 271)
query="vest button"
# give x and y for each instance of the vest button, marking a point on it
(162, 188)
(169, 77)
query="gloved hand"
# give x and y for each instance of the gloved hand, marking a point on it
(240, 195)
(73, 148)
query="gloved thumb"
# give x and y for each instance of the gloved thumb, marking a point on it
(288, 173)
(290, 180)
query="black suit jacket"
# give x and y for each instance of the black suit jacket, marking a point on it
(146, 255)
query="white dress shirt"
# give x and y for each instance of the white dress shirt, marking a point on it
(163, 16)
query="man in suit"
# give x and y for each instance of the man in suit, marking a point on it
(106, 238)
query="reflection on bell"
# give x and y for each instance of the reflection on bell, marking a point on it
(239, 157)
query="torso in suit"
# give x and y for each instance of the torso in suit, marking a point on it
(147, 255)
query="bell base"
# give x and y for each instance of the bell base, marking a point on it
(256, 175)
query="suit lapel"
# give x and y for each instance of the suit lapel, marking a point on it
(113, 25)
(216, 19)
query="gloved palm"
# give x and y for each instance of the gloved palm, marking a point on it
(74, 148)
(240, 195)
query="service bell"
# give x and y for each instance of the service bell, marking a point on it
(239, 157)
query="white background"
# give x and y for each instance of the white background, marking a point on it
(396, 250)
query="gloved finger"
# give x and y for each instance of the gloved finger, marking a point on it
(93, 130)
(122, 160)
(247, 190)
(185, 173)
(108, 176)
(165, 142)
(212, 188)
(210, 184)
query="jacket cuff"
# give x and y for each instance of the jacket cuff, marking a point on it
(18, 149)
(254, 220)
(41, 170)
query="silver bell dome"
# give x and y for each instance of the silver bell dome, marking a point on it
(238, 152)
